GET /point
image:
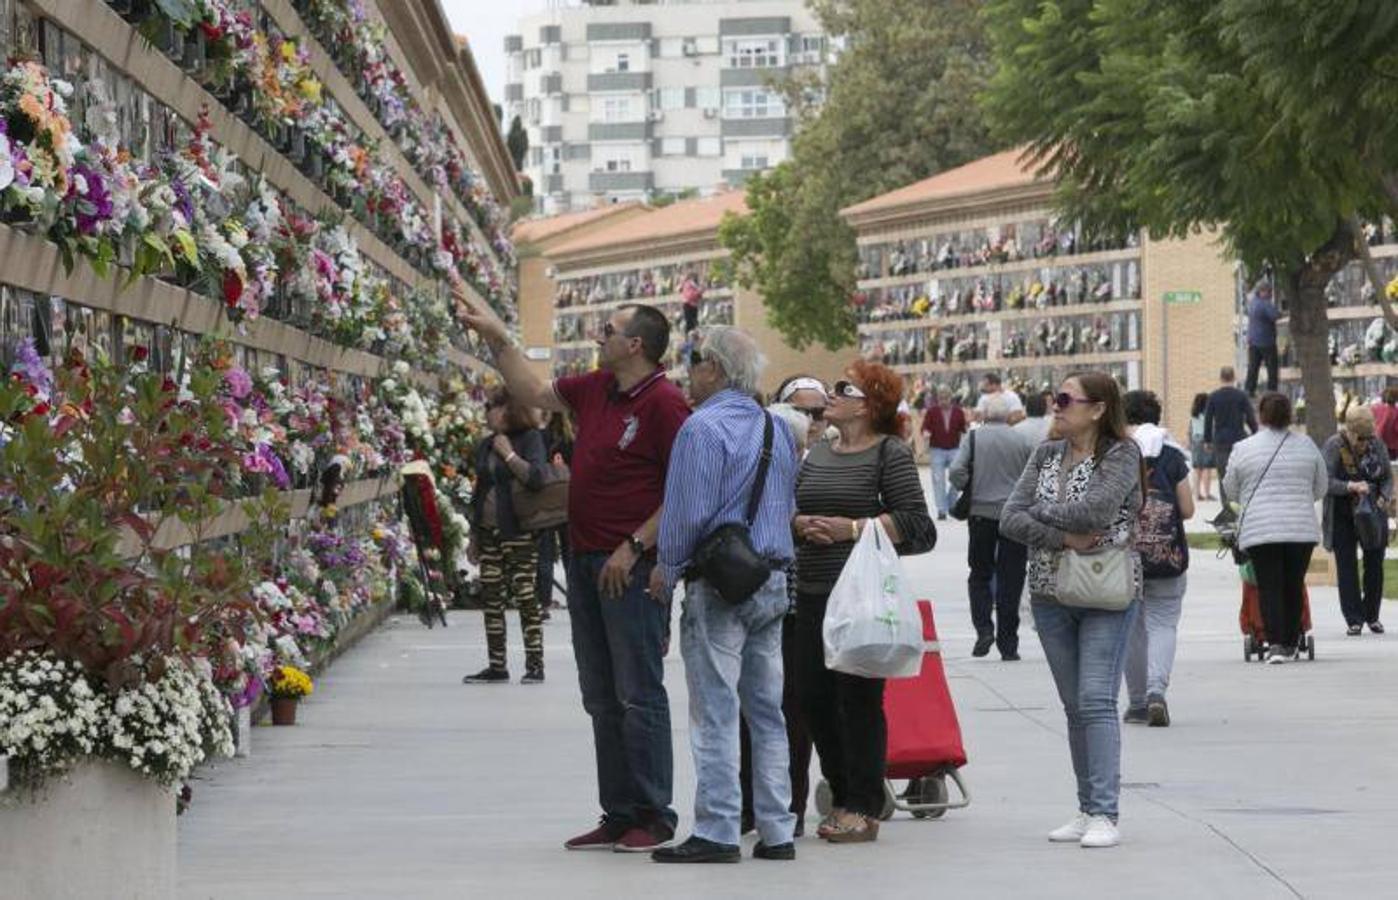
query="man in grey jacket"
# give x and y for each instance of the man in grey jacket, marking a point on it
(988, 465)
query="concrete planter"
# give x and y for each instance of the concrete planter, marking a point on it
(102, 831)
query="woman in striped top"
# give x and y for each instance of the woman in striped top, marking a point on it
(865, 472)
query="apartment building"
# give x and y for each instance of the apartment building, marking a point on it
(970, 271)
(629, 100)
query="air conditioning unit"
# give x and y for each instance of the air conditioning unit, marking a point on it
(690, 48)
(711, 113)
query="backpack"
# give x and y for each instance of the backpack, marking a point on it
(1160, 528)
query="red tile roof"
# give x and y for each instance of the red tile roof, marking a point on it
(1003, 170)
(686, 217)
(544, 227)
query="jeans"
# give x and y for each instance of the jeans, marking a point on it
(1281, 586)
(997, 571)
(732, 656)
(1358, 608)
(1150, 656)
(798, 738)
(1086, 651)
(1221, 454)
(944, 493)
(1257, 357)
(617, 643)
(844, 714)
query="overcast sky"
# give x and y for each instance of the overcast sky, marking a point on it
(485, 23)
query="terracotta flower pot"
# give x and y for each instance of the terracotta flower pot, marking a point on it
(284, 710)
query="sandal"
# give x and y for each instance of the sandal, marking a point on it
(866, 831)
(830, 824)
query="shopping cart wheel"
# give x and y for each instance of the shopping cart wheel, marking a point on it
(824, 798)
(931, 789)
(1310, 647)
(890, 802)
(1249, 647)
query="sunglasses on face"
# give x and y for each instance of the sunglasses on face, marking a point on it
(695, 357)
(848, 390)
(817, 413)
(1065, 400)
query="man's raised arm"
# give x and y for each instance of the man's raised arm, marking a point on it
(520, 378)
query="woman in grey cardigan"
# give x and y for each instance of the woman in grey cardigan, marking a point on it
(1358, 465)
(1081, 492)
(1278, 477)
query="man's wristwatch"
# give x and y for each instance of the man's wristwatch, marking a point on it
(636, 545)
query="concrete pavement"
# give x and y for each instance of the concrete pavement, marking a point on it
(401, 782)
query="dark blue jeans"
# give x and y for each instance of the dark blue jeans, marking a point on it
(618, 646)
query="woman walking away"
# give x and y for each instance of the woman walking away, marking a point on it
(1160, 540)
(1358, 465)
(1278, 477)
(1203, 457)
(511, 458)
(1082, 492)
(866, 472)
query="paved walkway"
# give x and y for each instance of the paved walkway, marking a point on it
(402, 783)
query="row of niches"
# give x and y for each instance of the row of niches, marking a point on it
(265, 79)
(1048, 287)
(589, 326)
(290, 420)
(1040, 237)
(1067, 336)
(1352, 342)
(683, 280)
(964, 383)
(357, 42)
(189, 213)
(1351, 285)
(579, 360)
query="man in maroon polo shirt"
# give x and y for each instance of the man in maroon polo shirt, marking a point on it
(944, 423)
(627, 415)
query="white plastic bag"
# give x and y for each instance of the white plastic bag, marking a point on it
(872, 626)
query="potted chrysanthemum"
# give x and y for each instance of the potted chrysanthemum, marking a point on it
(287, 686)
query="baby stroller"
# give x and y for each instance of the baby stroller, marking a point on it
(924, 739)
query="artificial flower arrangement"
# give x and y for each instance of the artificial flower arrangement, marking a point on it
(289, 681)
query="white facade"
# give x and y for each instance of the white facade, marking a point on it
(631, 100)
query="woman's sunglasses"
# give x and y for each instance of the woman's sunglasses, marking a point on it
(849, 391)
(1065, 400)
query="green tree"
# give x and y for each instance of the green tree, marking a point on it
(897, 106)
(1155, 113)
(518, 143)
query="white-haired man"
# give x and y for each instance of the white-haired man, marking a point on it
(988, 465)
(732, 651)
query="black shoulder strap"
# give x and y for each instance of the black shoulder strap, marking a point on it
(763, 463)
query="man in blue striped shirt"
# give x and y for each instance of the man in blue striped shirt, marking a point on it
(732, 653)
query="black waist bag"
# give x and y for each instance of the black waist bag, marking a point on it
(726, 559)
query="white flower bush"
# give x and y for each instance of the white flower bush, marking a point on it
(51, 717)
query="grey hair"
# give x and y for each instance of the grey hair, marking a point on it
(799, 422)
(997, 408)
(736, 354)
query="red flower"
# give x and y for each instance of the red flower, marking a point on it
(140, 354)
(232, 288)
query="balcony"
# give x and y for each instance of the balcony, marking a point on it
(760, 77)
(780, 127)
(619, 81)
(618, 31)
(621, 181)
(620, 131)
(756, 26)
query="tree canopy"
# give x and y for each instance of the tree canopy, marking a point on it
(900, 104)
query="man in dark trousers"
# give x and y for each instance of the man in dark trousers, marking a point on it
(627, 414)
(1262, 337)
(1228, 418)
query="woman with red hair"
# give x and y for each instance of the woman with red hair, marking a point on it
(865, 472)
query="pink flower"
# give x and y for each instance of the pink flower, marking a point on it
(239, 382)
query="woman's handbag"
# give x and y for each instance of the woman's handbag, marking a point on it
(1370, 524)
(1096, 579)
(548, 506)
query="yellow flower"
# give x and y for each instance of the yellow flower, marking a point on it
(288, 50)
(310, 89)
(289, 681)
(1392, 289)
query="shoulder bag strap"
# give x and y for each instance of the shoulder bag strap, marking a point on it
(1260, 479)
(763, 463)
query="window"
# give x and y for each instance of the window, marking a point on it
(753, 53)
(536, 156)
(618, 165)
(710, 146)
(753, 161)
(669, 98)
(617, 109)
(812, 48)
(672, 146)
(623, 63)
(533, 59)
(752, 103)
(555, 154)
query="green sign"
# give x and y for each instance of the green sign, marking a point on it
(1183, 296)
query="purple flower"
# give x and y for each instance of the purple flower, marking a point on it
(264, 462)
(92, 203)
(30, 365)
(239, 382)
(183, 201)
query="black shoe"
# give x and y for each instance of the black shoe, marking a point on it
(1135, 716)
(800, 827)
(1354, 630)
(698, 850)
(777, 851)
(488, 675)
(1376, 627)
(983, 645)
(533, 676)
(1157, 712)
(941, 517)
(1010, 656)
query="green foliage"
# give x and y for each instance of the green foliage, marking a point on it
(518, 143)
(899, 105)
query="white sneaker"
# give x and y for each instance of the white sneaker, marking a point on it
(1072, 832)
(1101, 832)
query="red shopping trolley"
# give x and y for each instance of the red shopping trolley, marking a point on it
(924, 738)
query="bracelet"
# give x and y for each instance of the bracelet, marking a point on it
(854, 529)
(511, 458)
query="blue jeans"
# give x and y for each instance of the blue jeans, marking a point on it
(944, 493)
(732, 657)
(1151, 655)
(1086, 651)
(617, 643)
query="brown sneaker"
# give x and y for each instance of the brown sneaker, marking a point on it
(644, 839)
(600, 838)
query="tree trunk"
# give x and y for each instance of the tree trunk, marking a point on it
(1304, 282)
